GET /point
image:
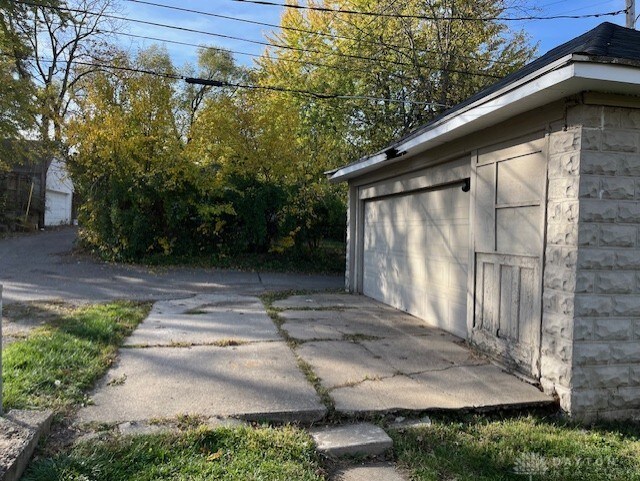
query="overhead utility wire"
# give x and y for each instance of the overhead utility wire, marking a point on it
(430, 17)
(221, 83)
(296, 29)
(237, 52)
(258, 42)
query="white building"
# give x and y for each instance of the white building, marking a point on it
(59, 195)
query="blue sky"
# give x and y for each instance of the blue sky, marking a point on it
(547, 34)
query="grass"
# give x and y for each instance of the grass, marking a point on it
(55, 365)
(224, 454)
(483, 448)
(329, 258)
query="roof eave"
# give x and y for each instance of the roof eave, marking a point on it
(554, 81)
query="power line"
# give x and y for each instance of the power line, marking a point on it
(296, 29)
(225, 84)
(429, 17)
(221, 49)
(258, 42)
(237, 52)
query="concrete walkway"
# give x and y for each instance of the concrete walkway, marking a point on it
(221, 355)
(210, 355)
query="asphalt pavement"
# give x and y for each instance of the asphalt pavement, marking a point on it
(43, 266)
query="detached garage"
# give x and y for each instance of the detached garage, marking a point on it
(513, 221)
(59, 196)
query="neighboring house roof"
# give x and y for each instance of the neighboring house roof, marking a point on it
(606, 57)
(19, 155)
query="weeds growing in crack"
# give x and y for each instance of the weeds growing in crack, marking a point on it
(268, 300)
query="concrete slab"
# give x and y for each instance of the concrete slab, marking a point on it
(327, 300)
(342, 363)
(255, 381)
(369, 472)
(19, 435)
(484, 386)
(464, 387)
(363, 439)
(205, 319)
(387, 360)
(391, 394)
(303, 330)
(413, 354)
(326, 324)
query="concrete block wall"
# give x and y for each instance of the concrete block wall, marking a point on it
(606, 350)
(560, 281)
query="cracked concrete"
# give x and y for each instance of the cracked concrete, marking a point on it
(221, 355)
(208, 355)
(375, 358)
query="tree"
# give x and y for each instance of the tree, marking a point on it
(418, 66)
(67, 43)
(213, 64)
(16, 88)
(143, 195)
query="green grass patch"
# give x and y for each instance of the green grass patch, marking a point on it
(54, 366)
(528, 447)
(224, 454)
(328, 258)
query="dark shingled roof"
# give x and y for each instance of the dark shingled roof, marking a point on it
(606, 40)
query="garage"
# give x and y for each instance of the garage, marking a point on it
(59, 195)
(58, 208)
(415, 254)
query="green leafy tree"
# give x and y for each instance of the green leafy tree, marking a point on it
(16, 88)
(142, 195)
(213, 64)
(419, 66)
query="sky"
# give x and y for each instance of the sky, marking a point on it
(547, 34)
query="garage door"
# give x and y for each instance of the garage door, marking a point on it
(58, 210)
(415, 254)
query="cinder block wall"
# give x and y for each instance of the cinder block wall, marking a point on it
(561, 252)
(592, 276)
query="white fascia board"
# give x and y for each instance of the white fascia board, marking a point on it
(538, 88)
(504, 99)
(352, 170)
(625, 78)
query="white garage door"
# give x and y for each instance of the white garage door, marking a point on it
(416, 255)
(58, 209)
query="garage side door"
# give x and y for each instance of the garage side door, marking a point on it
(415, 254)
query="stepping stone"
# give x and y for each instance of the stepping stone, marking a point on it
(363, 439)
(369, 472)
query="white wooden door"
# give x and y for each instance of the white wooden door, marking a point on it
(509, 198)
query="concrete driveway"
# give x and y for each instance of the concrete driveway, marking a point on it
(221, 355)
(42, 267)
